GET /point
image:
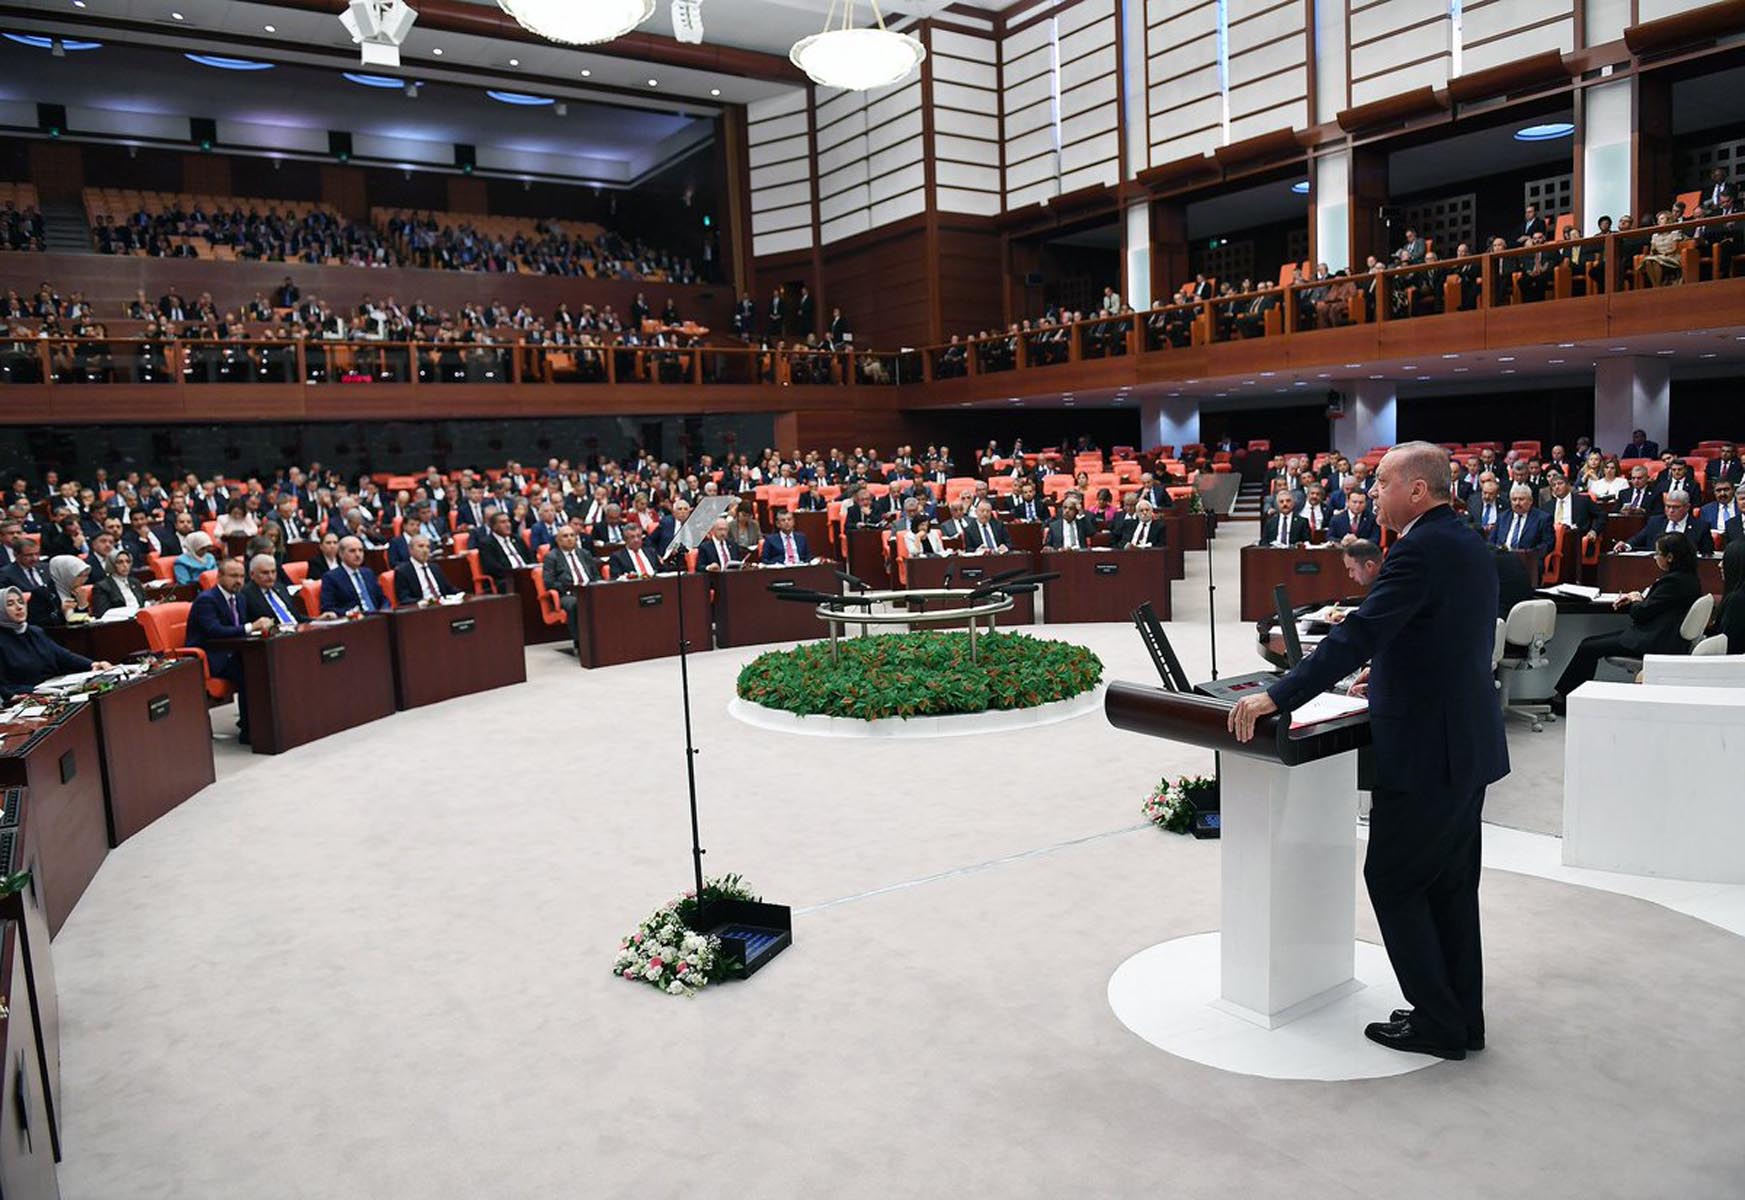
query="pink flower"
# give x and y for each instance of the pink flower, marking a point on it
(630, 972)
(683, 967)
(637, 939)
(655, 963)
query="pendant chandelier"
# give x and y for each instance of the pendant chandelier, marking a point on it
(579, 22)
(856, 59)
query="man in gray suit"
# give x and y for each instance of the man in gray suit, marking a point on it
(567, 566)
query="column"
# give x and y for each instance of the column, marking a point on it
(1138, 265)
(1606, 141)
(1330, 194)
(1169, 421)
(1370, 412)
(1630, 394)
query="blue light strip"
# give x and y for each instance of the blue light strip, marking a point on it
(375, 81)
(228, 64)
(37, 41)
(521, 98)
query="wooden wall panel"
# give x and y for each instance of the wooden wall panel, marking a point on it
(970, 268)
(467, 195)
(880, 281)
(207, 175)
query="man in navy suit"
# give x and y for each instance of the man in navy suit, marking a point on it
(352, 588)
(1640, 446)
(785, 545)
(400, 545)
(1723, 510)
(1725, 469)
(1676, 519)
(1640, 496)
(717, 550)
(1523, 527)
(1565, 506)
(984, 532)
(417, 579)
(1356, 522)
(1426, 629)
(217, 613)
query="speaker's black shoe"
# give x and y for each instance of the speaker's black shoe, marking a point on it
(1559, 706)
(1399, 1035)
(1405, 1014)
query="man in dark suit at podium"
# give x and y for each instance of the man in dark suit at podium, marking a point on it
(1426, 629)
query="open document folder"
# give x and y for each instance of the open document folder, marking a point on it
(1328, 706)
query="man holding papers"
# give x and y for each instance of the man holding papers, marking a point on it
(1426, 629)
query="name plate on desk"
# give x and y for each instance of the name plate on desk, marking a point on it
(1108, 568)
(782, 585)
(970, 573)
(332, 654)
(157, 708)
(464, 625)
(650, 600)
(1307, 567)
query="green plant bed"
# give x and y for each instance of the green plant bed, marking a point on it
(919, 675)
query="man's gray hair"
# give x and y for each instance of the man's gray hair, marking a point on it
(1421, 460)
(263, 559)
(1520, 489)
(416, 538)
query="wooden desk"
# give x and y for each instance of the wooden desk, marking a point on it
(101, 641)
(457, 570)
(1187, 530)
(305, 685)
(1311, 575)
(1104, 585)
(815, 524)
(156, 743)
(1621, 527)
(973, 570)
(1636, 572)
(58, 760)
(747, 613)
(628, 620)
(1027, 536)
(534, 630)
(866, 557)
(449, 650)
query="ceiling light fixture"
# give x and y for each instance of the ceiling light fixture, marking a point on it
(270, 28)
(375, 81)
(221, 63)
(514, 62)
(377, 29)
(521, 99)
(714, 91)
(54, 45)
(856, 59)
(176, 16)
(578, 24)
(1550, 131)
(654, 83)
(436, 50)
(1301, 187)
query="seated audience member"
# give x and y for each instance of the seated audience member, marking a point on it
(118, 589)
(1145, 529)
(196, 558)
(1485, 508)
(921, 538)
(1316, 511)
(353, 587)
(217, 614)
(1639, 497)
(1286, 527)
(1676, 518)
(1524, 527)
(418, 580)
(501, 554)
(27, 654)
(1028, 506)
(718, 549)
(864, 514)
(237, 519)
(1663, 264)
(1105, 511)
(786, 544)
(1655, 616)
(29, 574)
(327, 560)
(1362, 559)
(1732, 617)
(744, 529)
(400, 545)
(68, 574)
(1568, 507)
(566, 567)
(141, 541)
(1356, 523)
(1072, 529)
(264, 596)
(1677, 478)
(983, 532)
(1722, 513)
(633, 561)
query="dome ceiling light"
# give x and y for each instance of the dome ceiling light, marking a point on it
(579, 22)
(856, 59)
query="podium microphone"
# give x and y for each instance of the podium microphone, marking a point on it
(947, 582)
(851, 580)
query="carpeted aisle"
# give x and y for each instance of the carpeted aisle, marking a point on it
(379, 967)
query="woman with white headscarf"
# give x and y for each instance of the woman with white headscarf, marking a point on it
(196, 558)
(27, 654)
(67, 573)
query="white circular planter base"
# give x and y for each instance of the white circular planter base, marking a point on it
(1165, 995)
(992, 721)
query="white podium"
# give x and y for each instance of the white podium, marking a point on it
(1650, 774)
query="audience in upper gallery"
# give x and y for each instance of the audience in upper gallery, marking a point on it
(20, 228)
(410, 240)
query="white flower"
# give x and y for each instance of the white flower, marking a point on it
(675, 988)
(652, 973)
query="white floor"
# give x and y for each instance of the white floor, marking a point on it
(379, 966)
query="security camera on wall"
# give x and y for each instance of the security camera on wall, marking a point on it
(688, 20)
(378, 27)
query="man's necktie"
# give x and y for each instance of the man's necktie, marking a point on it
(363, 593)
(1515, 533)
(1143, 537)
(278, 607)
(431, 591)
(987, 538)
(788, 544)
(642, 567)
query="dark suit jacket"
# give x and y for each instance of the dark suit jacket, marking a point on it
(494, 562)
(407, 588)
(255, 606)
(1732, 621)
(45, 605)
(555, 570)
(1641, 450)
(1341, 524)
(338, 596)
(1585, 516)
(1035, 510)
(972, 536)
(774, 552)
(208, 618)
(857, 518)
(1513, 586)
(707, 557)
(1537, 532)
(1654, 620)
(1427, 629)
(623, 567)
(1702, 538)
(1056, 535)
(141, 549)
(106, 593)
(1299, 530)
(1650, 501)
(1735, 531)
(317, 569)
(1156, 535)
(1722, 471)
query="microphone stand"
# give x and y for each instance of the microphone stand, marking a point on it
(697, 850)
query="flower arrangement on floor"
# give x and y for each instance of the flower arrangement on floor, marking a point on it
(919, 675)
(666, 953)
(1171, 806)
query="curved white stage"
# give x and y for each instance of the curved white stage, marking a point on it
(958, 725)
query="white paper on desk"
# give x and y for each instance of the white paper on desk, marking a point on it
(114, 615)
(1323, 614)
(331, 623)
(1328, 706)
(1579, 591)
(1607, 597)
